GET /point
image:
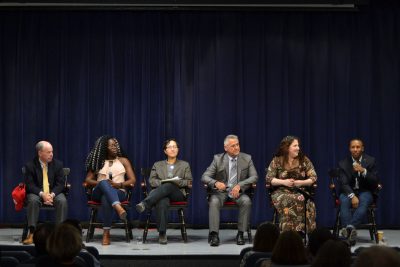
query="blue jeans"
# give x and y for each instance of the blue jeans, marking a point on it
(365, 199)
(109, 197)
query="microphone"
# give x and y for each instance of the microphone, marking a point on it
(110, 175)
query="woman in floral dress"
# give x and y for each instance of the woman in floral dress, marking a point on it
(289, 174)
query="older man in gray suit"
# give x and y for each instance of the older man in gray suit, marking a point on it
(230, 174)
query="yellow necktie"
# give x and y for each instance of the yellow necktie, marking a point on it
(46, 188)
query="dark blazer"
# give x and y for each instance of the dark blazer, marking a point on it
(159, 172)
(34, 176)
(219, 171)
(348, 176)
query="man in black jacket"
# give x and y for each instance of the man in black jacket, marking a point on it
(358, 178)
(45, 183)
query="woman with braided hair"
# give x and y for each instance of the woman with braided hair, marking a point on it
(106, 168)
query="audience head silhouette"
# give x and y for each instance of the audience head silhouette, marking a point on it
(64, 243)
(265, 238)
(289, 249)
(333, 253)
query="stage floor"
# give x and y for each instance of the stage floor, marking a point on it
(197, 242)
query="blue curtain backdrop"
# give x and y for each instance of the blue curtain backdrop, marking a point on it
(143, 76)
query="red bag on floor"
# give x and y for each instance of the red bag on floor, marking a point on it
(18, 195)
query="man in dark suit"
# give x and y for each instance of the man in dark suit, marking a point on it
(230, 174)
(45, 183)
(358, 179)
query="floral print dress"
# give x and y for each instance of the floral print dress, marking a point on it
(289, 202)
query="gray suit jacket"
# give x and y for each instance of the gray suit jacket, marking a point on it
(159, 172)
(219, 171)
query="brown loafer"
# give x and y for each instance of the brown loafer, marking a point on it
(106, 237)
(28, 240)
(120, 211)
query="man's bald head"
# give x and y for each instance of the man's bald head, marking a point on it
(45, 151)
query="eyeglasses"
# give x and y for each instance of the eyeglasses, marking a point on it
(172, 147)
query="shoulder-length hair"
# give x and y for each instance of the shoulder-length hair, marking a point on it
(289, 249)
(283, 149)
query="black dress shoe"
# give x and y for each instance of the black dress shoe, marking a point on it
(214, 241)
(162, 239)
(140, 207)
(240, 238)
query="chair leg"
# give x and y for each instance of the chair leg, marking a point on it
(183, 225)
(90, 231)
(373, 231)
(274, 216)
(275, 219)
(146, 227)
(337, 224)
(127, 235)
(25, 229)
(130, 230)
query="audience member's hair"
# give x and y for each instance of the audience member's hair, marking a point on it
(77, 224)
(378, 256)
(40, 236)
(64, 243)
(317, 238)
(333, 253)
(265, 238)
(289, 249)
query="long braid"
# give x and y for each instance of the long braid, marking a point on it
(97, 156)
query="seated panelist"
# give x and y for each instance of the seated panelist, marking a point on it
(106, 167)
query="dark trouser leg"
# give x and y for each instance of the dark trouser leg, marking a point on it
(162, 214)
(161, 198)
(33, 208)
(244, 203)
(61, 205)
(215, 203)
(164, 190)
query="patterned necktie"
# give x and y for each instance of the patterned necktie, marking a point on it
(46, 188)
(232, 174)
(356, 184)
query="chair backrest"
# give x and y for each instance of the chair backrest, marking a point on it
(300, 265)
(243, 251)
(8, 262)
(261, 261)
(333, 177)
(253, 258)
(21, 255)
(145, 172)
(93, 251)
(87, 257)
(30, 249)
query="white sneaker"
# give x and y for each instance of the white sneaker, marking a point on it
(343, 233)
